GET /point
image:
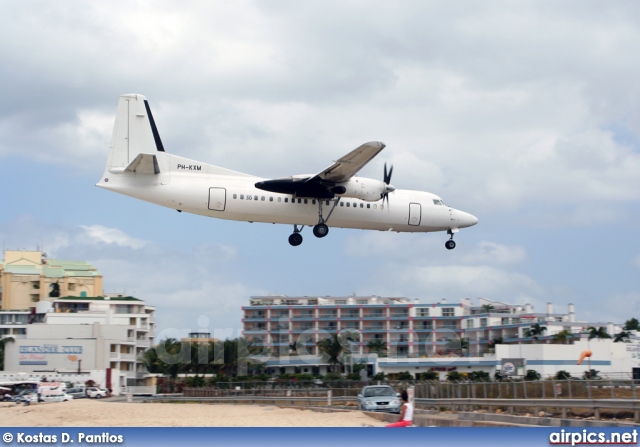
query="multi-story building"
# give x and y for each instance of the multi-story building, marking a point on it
(27, 277)
(405, 328)
(104, 337)
(420, 337)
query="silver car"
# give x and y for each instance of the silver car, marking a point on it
(379, 398)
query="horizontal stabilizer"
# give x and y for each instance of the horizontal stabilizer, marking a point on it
(144, 164)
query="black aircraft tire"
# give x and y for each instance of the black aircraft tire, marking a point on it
(320, 230)
(295, 239)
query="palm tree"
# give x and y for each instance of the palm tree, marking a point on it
(378, 346)
(487, 308)
(563, 336)
(4, 341)
(599, 333)
(535, 331)
(332, 348)
(622, 336)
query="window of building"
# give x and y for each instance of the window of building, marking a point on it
(448, 312)
(423, 312)
(469, 324)
(483, 322)
(426, 325)
(341, 302)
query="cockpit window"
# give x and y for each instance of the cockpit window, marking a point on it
(438, 202)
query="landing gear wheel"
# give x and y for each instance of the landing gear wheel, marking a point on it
(320, 230)
(295, 239)
(450, 244)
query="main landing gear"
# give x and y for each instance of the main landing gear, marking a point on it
(320, 230)
(450, 244)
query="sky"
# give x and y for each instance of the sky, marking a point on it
(524, 114)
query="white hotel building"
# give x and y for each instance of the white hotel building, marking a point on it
(421, 337)
(97, 338)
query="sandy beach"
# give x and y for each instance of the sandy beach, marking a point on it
(89, 413)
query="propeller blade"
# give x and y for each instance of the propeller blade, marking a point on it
(387, 180)
(387, 176)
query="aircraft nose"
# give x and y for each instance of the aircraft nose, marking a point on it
(466, 219)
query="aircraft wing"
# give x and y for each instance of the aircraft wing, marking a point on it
(320, 185)
(347, 166)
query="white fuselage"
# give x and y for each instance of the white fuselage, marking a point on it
(208, 190)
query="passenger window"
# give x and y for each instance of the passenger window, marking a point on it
(279, 199)
(362, 205)
(368, 205)
(262, 199)
(341, 203)
(241, 196)
(286, 200)
(305, 201)
(255, 197)
(375, 207)
(348, 204)
(328, 203)
(313, 202)
(299, 200)
(235, 196)
(270, 199)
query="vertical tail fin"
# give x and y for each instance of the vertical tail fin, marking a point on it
(134, 132)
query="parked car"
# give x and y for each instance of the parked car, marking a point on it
(379, 398)
(22, 395)
(97, 393)
(57, 397)
(77, 393)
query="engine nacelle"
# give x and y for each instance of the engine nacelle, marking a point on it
(367, 189)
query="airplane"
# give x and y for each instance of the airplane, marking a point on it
(138, 166)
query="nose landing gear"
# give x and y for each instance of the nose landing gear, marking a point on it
(450, 244)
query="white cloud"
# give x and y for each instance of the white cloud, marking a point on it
(98, 234)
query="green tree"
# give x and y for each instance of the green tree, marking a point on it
(479, 376)
(378, 346)
(632, 325)
(532, 375)
(334, 347)
(622, 336)
(487, 308)
(535, 331)
(404, 375)
(3, 342)
(429, 376)
(454, 376)
(563, 375)
(562, 337)
(591, 374)
(598, 333)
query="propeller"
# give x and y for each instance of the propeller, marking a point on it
(387, 179)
